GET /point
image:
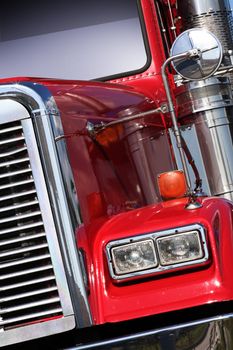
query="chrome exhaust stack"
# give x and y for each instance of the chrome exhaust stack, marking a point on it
(213, 15)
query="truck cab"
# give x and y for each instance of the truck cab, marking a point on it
(116, 175)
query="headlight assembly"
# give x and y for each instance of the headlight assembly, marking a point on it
(157, 252)
(180, 248)
(134, 257)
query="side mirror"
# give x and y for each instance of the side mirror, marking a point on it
(207, 60)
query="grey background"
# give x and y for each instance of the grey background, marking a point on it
(72, 40)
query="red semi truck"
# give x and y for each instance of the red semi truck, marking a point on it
(115, 195)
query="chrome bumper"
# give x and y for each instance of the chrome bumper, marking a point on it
(212, 333)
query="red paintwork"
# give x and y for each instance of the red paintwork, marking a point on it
(102, 195)
(112, 302)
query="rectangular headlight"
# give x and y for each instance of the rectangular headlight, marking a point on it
(134, 257)
(179, 248)
(157, 252)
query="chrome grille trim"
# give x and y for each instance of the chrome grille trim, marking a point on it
(32, 278)
(21, 294)
(46, 124)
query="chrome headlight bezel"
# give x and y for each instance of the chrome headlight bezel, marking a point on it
(155, 236)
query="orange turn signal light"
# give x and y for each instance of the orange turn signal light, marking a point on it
(172, 184)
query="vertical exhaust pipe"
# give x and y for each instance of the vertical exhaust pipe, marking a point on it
(213, 15)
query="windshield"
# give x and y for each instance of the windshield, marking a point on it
(70, 39)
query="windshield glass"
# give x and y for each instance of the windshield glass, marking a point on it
(70, 39)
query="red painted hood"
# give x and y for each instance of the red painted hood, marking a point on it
(213, 282)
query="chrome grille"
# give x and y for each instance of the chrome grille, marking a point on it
(28, 289)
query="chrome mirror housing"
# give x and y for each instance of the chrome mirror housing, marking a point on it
(208, 54)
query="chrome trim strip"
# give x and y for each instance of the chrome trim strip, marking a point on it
(64, 220)
(47, 215)
(154, 236)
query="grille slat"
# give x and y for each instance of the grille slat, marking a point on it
(29, 305)
(14, 162)
(23, 250)
(25, 272)
(13, 128)
(13, 173)
(22, 239)
(18, 206)
(22, 227)
(14, 184)
(20, 217)
(11, 153)
(25, 261)
(31, 316)
(14, 139)
(16, 195)
(29, 283)
(28, 294)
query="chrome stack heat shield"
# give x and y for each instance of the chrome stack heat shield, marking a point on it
(206, 108)
(213, 15)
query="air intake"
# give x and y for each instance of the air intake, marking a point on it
(32, 279)
(28, 289)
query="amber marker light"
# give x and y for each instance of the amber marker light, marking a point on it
(172, 184)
